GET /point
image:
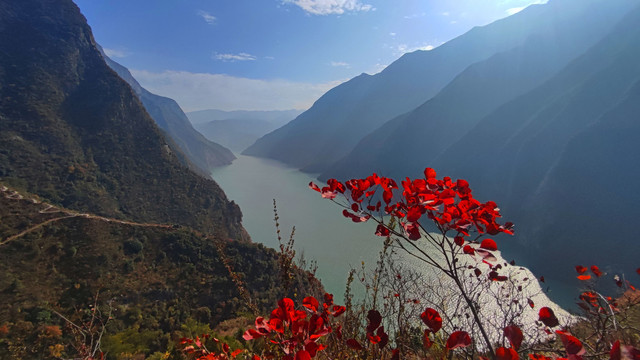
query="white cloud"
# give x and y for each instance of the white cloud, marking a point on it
(392, 34)
(339, 64)
(446, 13)
(415, 16)
(115, 53)
(404, 48)
(514, 10)
(235, 57)
(377, 68)
(199, 91)
(210, 19)
(327, 7)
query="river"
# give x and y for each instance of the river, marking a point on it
(322, 233)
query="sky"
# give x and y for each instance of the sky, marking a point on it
(272, 54)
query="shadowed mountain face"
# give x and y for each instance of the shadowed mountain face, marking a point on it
(202, 153)
(237, 130)
(75, 133)
(420, 136)
(561, 158)
(343, 116)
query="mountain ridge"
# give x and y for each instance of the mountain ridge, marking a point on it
(423, 134)
(202, 153)
(345, 114)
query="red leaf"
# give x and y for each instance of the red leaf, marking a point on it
(251, 334)
(412, 231)
(580, 269)
(312, 348)
(236, 352)
(395, 354)
(354, 344)
(374, 339)
(432, 319)
(531, 304)
(615, 353)
(338, 310)
(547, 317)
(375, 319)
(584, 277)
(572, 345)
(384, 337)
(489, 244)
(506, 354)
(426, 341)
(414, 213)
(311, 303)
(596, 271)
(458, 339)
(314, 186)
(468, 250)
(382, 230)
(638, 271)
(429, 173)
(514, 335)
(459, 240)
(303, 355)
(387, 195)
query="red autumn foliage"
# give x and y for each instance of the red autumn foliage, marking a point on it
(514, 335)
(458, 339)
(432, 319)
(503, 353)
(547, 317)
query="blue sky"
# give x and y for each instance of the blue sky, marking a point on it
(272, 54)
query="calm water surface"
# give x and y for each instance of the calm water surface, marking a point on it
(322, 233)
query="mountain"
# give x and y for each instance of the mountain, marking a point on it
(152, 284)
(271, 116)
(204, 154)
(333, 126)
(237, 130)
(73, 133)
(99, 219)
(418, 137)
(560, 159)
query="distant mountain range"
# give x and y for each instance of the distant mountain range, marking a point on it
(539, 111)
(342, 117)
(199, 151)
(237, 130)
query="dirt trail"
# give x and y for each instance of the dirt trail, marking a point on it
(67, 214)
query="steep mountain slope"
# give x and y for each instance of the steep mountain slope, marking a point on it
(74, 132)
(150, 280)
(344, 115)
(539, 157)
(237, 130)
(167, 114)
(421, 135)
(97, 214)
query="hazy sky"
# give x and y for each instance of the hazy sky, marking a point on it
(272, 54)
